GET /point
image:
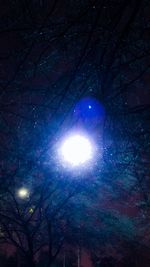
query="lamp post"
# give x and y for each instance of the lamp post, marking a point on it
(76, 151)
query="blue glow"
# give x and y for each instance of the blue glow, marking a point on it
(89, 111)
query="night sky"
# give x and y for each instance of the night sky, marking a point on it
(74, 67)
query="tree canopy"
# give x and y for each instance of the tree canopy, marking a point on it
(53, 55)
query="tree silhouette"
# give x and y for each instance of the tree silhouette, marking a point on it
(53, 54)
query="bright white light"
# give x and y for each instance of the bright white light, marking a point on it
(23, 193)
(90, 106)
(76, 150)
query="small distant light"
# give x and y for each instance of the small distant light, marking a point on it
(23, 193)
(31, 210)
(90, 106)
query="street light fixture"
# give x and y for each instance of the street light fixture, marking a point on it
(76, 150)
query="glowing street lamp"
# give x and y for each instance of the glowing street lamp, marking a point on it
(76, 150)
(23, 193)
